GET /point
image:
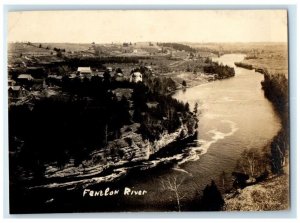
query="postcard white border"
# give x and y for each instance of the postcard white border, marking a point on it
(292, 15)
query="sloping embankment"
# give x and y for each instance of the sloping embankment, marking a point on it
(269, 195)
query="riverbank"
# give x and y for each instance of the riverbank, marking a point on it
(273, 192)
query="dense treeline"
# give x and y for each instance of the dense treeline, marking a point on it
(244, 65)
(178, 46)
(219, 69)
(275, 87)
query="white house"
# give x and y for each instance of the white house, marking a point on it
(136, 77)
(84, 72)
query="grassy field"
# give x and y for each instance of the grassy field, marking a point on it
(274, 60)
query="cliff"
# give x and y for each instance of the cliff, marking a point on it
(113, 161)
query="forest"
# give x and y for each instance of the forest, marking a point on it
(178, 46)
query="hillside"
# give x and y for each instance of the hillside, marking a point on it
(269, 195)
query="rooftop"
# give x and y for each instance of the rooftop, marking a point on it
(84, 69)
(25, 76)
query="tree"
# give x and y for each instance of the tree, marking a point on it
(119, 70)
(211, 199)
(279, 146)
(184, 83)
(196, 108)
(187, 106)
(223, 180)
(251, 162)
(240, 180)
(173, 184)
(59, 54)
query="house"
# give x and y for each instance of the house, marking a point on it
(11, 82)
(72, 76)
(25, 79)
(136, 77)
(84, 72)
(36, 72)
(119, 77)
(16, 91)
(110, 69)
(152, 104)
(148, 68)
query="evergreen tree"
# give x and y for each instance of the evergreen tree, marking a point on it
(212, 199)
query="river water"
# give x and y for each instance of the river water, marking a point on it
(233, 116)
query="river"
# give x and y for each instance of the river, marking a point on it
(233, 116)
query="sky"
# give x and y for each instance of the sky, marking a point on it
(148, 25)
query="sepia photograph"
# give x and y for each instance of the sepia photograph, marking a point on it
(148, 111)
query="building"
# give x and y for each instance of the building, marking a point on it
(119, 77)
(25, 79)
(110, 69)
(16, 91)
(11, 82)
(84, 72)
(136, 77)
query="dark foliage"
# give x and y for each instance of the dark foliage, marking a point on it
(275, 87)
(239, 179)
(61, 127)
(178, 46)
(219, 69)
(279, 150)
(167, 114)
(212, 199)
(244, 65)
